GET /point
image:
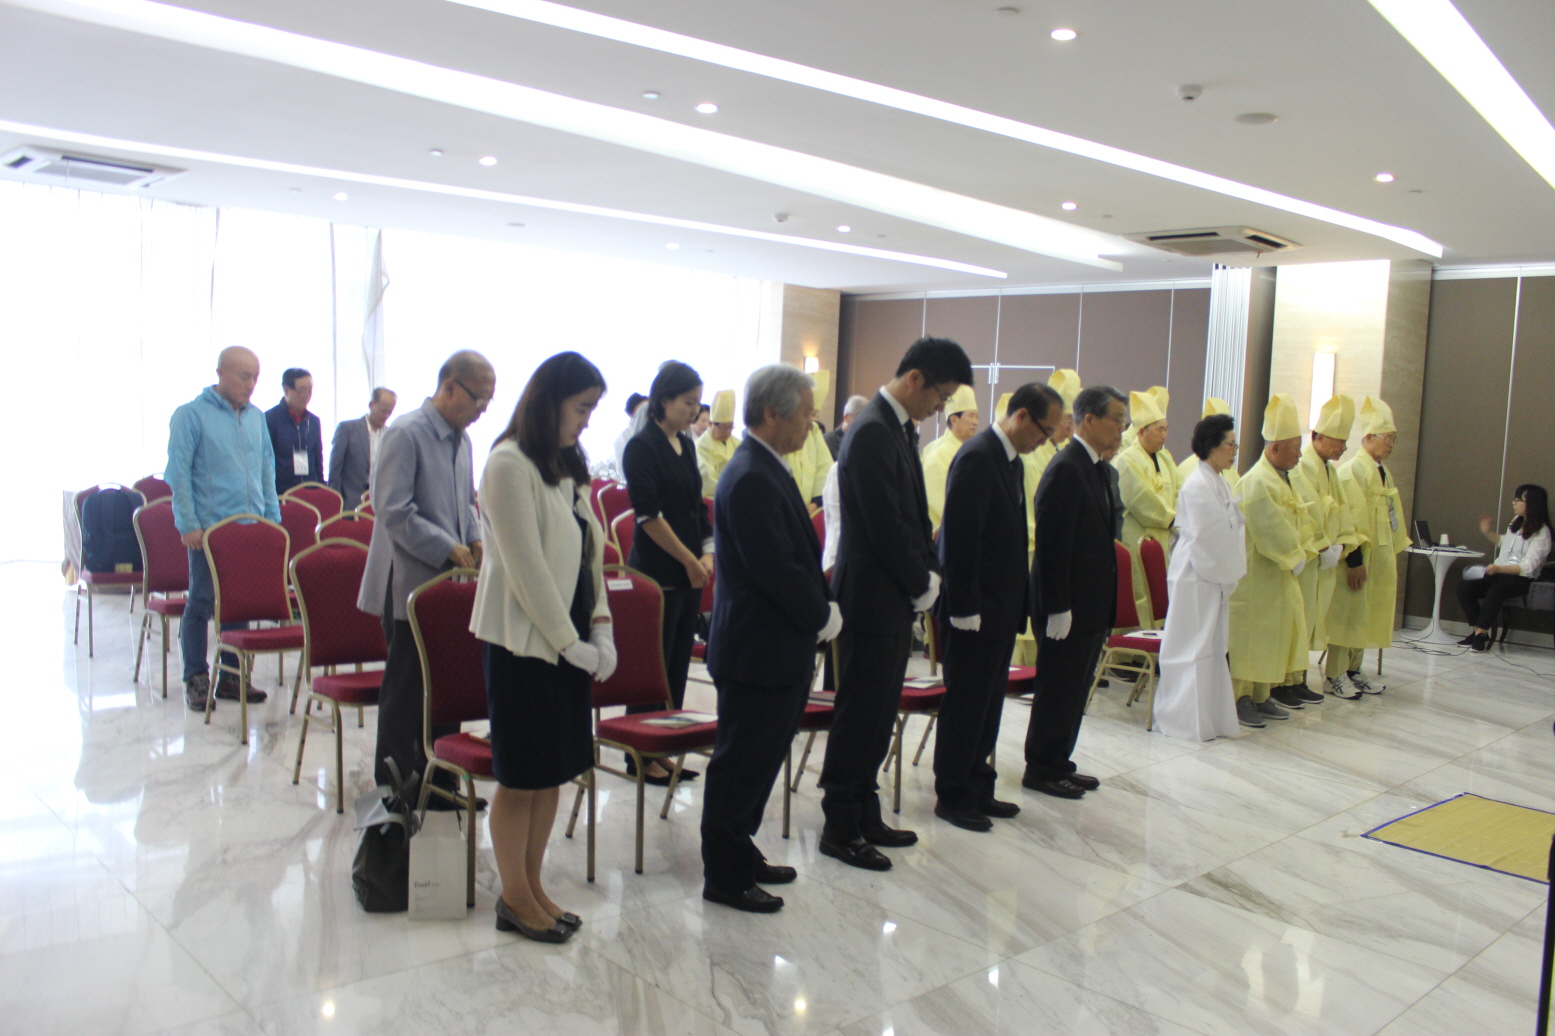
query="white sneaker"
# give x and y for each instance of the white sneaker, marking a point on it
(1340, 689)
(1365, 686)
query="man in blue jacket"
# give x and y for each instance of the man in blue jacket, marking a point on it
(219, 463)
(296, 434)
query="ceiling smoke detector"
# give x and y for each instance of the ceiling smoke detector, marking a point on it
(73, 169)
(1212, 241)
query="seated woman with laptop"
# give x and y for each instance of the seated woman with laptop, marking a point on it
(1521, 553)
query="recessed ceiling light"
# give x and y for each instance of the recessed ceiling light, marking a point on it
(488, 160)
(650, 95)
(672, 246)
(1063, 35)
(1068, 206)
(518, 225)
(707, 107)
(1445, 38)
(1416, 190)
(1009, 12)
(294, 190)
(342, 196)
(1257, 118)
(1384, 177)
(436, 152)
(844, 229)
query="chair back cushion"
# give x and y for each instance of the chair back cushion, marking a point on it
(248, 556)
(327, 577)
(1153, 560)
(613, 500)
(623, 528)
(153, 488)
(163, 557)
(301, 523)
(324, 500)
(1125, 616)
(819, 521)
(453, 669)
(348, 525)
(637, 614)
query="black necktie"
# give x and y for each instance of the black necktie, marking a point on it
(911, 432)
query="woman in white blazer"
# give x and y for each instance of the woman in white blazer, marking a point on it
(541, 610)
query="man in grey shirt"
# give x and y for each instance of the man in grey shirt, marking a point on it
(423, 492)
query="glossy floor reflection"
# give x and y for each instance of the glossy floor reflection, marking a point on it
(158, 877)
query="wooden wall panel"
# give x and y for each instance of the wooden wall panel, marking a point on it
(880, 332)
(1123, 338)
(1185, 376)
(1529, 457)
(1039, 329)
(970, 320)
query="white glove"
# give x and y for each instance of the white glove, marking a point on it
(583, 655)
(602, 637)
(925, 601)
(1474, 572)
(1299, 566)
(833, 625)
(1331, 556)
(967, 622)
(1058, 625)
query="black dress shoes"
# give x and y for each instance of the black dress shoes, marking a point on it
(999, 809)
(753, 900)
(890, 837)
(774, 874)
(1082, 781)
(964, 817)
(1058, 787)
(857, 853)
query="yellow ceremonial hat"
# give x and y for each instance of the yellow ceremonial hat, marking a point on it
(1144, 408)
(1280, 420)
(1162, 397)
(1213, 406)
(1376, 417)
(822, 381)
(1336, 418)
(1004, 405)
(723, 407)
(964, 399)
(1066, 383)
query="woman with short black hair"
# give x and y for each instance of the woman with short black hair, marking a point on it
(1523, 550)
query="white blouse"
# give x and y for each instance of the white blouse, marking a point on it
(1528, 555)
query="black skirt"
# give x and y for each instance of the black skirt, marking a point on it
(542, 730)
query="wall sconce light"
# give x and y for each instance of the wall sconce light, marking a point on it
(1322, 385)
(812, 364)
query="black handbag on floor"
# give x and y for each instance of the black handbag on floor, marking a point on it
(380, 874)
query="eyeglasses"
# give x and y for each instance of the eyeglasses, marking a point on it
(477, 400)
(1233, 444)
(944, 397)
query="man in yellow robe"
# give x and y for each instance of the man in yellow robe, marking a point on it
(1066, 383)
(716, 445)
(961, 421)
(1191, 461)
(1361, 612)
(1268, 625)
(813, 461)
(1148, 484)
(1329, 529)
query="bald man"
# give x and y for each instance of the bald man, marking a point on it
(220, 463)
(423, 493)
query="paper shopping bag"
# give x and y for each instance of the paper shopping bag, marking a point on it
(437, 870)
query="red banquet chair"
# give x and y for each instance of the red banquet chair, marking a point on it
(623, 529)
(301, 520)
(595, 485)
(819, 712)
(348, 525)
(613, 500)
(153, 488)
(1152, 558)
(818, 519)
(323, 499)
(247, 555)
(1130, 650)
(637, 611)
(916, 700)
(89, 581)
(453, 680)
(164, 562)
(335, 632)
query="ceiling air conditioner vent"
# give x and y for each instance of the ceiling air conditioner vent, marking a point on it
(68, 169)
(1214, 241)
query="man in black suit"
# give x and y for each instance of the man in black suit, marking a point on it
(355, 447)
(1074, 581)
(887, 570)
(770, 611)
(985, 601)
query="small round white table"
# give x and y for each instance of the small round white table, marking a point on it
(1441, 561)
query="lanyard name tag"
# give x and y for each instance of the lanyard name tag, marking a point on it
(300, 462)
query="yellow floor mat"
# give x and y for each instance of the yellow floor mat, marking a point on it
(1478, 831)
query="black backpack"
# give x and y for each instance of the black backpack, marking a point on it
(108, 531)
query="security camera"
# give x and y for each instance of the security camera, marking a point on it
(1190, 91)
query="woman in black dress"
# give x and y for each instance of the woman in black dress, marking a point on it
(674, 541)
(541, 610)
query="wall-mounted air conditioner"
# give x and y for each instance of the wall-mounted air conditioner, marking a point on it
(72, 169)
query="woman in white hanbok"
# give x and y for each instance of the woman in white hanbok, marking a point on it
(1195, 700)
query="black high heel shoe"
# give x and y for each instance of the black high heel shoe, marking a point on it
(507, 921)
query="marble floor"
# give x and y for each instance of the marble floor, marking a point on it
(158, 877)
